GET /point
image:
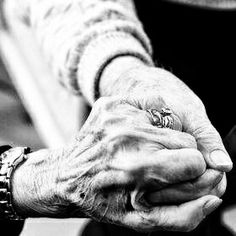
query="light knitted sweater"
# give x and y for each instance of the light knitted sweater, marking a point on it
(80, 37)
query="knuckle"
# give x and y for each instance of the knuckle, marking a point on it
(197, 154)
(221, 187)
(121, 138)
(195, 188)
(198, 166)
(189, 140)
(209, 181)
(107, 120)
(211, 178)
(218, 176)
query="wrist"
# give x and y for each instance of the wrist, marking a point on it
(116, 79)
(34, 188)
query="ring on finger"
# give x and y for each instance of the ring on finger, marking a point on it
(162, 119)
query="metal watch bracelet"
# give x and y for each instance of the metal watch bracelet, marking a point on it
(9, 160)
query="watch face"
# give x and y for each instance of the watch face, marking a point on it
(8, 162)
(12, 157)
(12, 154)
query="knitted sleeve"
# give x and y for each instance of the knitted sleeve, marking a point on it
(80, 37)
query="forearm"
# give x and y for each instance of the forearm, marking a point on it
(127, 74)
(114, 79)
(79, 38)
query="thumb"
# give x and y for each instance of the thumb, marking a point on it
(184, 218)
(190, 214)
(211, 146)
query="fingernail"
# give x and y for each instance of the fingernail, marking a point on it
(211, 205)
(221, 159)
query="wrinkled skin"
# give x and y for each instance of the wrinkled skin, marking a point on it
(119, 158)
(121, 169)
(189, 108)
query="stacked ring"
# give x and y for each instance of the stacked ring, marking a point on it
(162, 119)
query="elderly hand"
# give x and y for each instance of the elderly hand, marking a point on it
(149, 88)
(116, 159)
(156, 88)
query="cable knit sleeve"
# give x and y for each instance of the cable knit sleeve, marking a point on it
(80, 37)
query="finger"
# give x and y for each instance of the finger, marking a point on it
(184, 217)
(168, 167)
(220, 189)
(155, 103)
(161, 118)
(209, 183)
(164, 166)
(115, 117)
(167, 138)
(211, 145)
(134, 123)
(150, 171)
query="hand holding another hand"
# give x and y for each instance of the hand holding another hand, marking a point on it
(118, 170)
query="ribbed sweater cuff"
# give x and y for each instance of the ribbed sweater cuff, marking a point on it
(99, 53)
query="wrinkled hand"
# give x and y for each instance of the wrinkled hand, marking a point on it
(119, 156)
(151, 87)
(155, 88)
(107, 173)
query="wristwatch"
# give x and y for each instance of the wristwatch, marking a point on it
(10, 158)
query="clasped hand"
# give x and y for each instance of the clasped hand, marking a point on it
(123, 170)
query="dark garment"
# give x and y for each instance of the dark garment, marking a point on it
(197, 45)
(11, 228)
